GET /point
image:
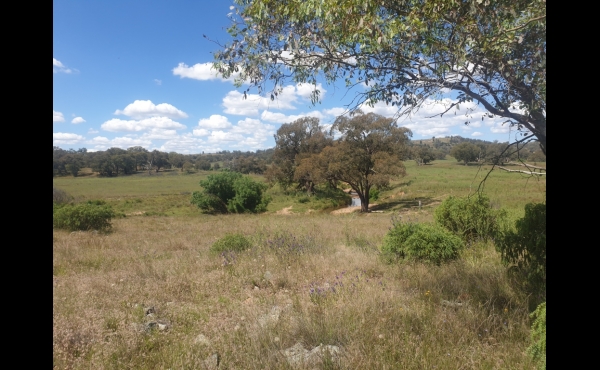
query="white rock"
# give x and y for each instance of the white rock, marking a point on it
(202, 339)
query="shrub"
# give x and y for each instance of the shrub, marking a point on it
(85, 216)
(424, 242)
(374, 194)
(303, 200)
(60, 196)
(231, 243)
(525, 248)
(470, 218)
(248, 196)
(230, 192)
(537, 349)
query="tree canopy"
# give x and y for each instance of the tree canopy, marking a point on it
(492, 53)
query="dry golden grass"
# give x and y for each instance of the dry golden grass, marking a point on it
(329, 287)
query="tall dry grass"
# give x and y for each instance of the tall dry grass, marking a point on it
(314, 279)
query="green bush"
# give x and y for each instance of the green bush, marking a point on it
(231, 243)
(423, 242)
(470, 218)
(374, 194)
(85, 216)
(525, 248)
(537, 350)
(231, 192)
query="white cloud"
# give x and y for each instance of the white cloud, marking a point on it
(426, 122)
(159, 134)
(499, 128)
(145, 108)
(282, 118)
(58, 116)
(200, 71)
(380, 108)
(92, 131)
(157, 81)
(103, 143)
(64, 138)
(57, 66)
(200, 132)
(476, 133)
(337, 111)
(304, 90)
(117, 125)
(77, 120)
(214, 122)
(235, 103)
(187, 144)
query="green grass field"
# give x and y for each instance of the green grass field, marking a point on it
(168, 193)
(151, 295)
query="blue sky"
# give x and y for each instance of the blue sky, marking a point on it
(129, 73)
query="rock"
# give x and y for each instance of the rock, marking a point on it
(256, 288)
(268, 276)
(212, 361)
(451, 304)
(156, 325)
(297, 355)
(151, 325)
(202, 339)
(271, 318)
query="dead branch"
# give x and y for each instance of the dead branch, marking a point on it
(525, 172)
(528, 165)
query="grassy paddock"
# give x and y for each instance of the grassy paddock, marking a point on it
(309, 277)
(169, 193)
(330, 288)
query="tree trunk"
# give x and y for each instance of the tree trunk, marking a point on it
(364, 202)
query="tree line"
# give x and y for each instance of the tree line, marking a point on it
(117, 161)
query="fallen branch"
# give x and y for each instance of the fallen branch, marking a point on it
(528, 165)
(525, 172)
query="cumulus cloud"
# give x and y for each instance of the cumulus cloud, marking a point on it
(145, 108)
(65, 138)
(214, 122)
(304, 90)
(188, 144)
(337, 111)
(200, 132)
(426, 122)
(92, 131)
(476, 133)
(77, 120)
(159, 134)
(282, 118)
(499, 128)
(58, 116)
(234, 102)
(119, 125)
(200, 71)
(103, 143)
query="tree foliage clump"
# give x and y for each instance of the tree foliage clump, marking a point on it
(470, 218)
(424, 242)
(537, 349)
(233, 242)
(230, 192)
(406, 53)
(524, 249)
(92, 215)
